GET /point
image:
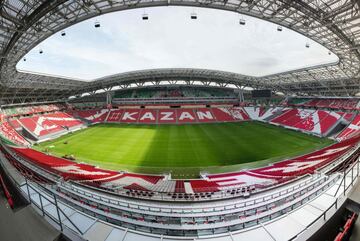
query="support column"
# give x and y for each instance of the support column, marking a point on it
(108, 98)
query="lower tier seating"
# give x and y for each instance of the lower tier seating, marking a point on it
(238, 183)
(49, 124)
(315, 121)
(7, 131)
(183, 115)
(353, 129)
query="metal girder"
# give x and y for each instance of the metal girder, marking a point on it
(333, 23)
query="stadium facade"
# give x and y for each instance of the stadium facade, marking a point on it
(305, 193)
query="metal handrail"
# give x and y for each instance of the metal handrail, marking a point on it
(346, 172)
(323, 215)
(55, 203)
(245, 224)
(41, 196)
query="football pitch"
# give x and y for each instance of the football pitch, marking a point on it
(183, 150)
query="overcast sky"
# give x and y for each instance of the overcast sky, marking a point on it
(170, 39)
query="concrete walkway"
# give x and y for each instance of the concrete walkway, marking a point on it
(24, 224)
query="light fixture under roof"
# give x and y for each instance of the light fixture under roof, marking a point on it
(242, 21)
(41, 51)
(63, 33)
(307, 45)
(279, 28)
(193, 15)
(97, 24)
(145, 16)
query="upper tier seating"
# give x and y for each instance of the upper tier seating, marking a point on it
(183, 92)
(28, 110)
(347, 104)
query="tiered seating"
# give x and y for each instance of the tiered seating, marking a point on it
(230, 114)
(240, 182)
(186, 116)
(323, 103)
(148, 178)
(25, 171)
(254, 113)
(183, 115)
(15, 124)
(315, 121)
(94, 116)
(346, 231)
(338, 104)
(167, 116)
(286, 118)
(164, 186)
(204, 186)
(62, 119)
(27, 110)
(34, 125)
(327, 120)
(307, 163)
(285, 170)
(239, 113)
(65, 168)
(347, 104)
(130, 116)
(49, 123)
(223, 114)
(204, 115)
(346, 116)
(7, 131)
(308, 120)
(353, 129)
(148, 116)
(177, 92)
(179, 187)
(310, 103)
(99, 115)
(259, 113)
(136, 187)
(114, 116)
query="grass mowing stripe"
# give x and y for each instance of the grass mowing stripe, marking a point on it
(213, 147)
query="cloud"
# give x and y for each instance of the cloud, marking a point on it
(170, 39)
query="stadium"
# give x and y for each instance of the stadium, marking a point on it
(180, 153)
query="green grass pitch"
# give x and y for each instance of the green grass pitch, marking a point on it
(185, 150)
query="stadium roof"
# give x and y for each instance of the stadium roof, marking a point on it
(333, 23)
